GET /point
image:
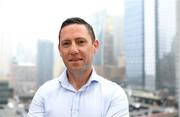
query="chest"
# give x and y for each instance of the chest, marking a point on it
(75, 104)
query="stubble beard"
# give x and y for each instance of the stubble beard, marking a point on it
(79, 72)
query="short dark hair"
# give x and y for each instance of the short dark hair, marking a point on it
(77, 20)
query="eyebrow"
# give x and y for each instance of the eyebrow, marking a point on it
(67, 39)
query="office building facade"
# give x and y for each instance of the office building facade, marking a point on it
(44, 61)
(134, 42)
(150, 28)
(166, 45)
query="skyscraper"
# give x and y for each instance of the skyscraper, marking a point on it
(165, 43)
(44, 61)
(178, 54)
(150, 44)
(134, 42)
(109, 54)
(109, 59)
(150, 28)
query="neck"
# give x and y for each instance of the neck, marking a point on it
(78, 78)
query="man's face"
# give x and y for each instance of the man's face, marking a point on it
(76, 47)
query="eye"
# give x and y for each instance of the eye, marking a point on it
(81, 42)
(65, 43)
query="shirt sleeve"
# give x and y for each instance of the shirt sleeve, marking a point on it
(119, 106)
(37, 106)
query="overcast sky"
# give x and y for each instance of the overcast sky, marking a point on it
(25, 20)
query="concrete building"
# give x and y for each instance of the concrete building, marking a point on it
(23, 78)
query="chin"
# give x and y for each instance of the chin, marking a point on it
(75, 68)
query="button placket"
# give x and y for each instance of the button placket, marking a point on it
(75, 105)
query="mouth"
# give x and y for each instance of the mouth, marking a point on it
(75, 59)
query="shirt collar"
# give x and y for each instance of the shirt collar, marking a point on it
(65, 83)
(93, 77)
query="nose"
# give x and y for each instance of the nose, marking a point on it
(74, 49)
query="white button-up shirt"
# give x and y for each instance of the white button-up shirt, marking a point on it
(99, 97)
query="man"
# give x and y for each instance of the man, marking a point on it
(79, 91)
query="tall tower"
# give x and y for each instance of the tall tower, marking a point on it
(44, 61)
(134, 42)
(178, 53)
(165, 43)
(149, 44)
(109, 57)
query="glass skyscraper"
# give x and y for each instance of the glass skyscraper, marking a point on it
(134, 42)
(166, 45)
(45, 61)
(150, 28)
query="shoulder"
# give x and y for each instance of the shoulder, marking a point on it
(108, 84)
(113, 96)
(48, 87)
(110, 88)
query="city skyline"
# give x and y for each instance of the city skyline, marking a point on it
(137, 50)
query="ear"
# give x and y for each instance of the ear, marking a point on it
(96, 45)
